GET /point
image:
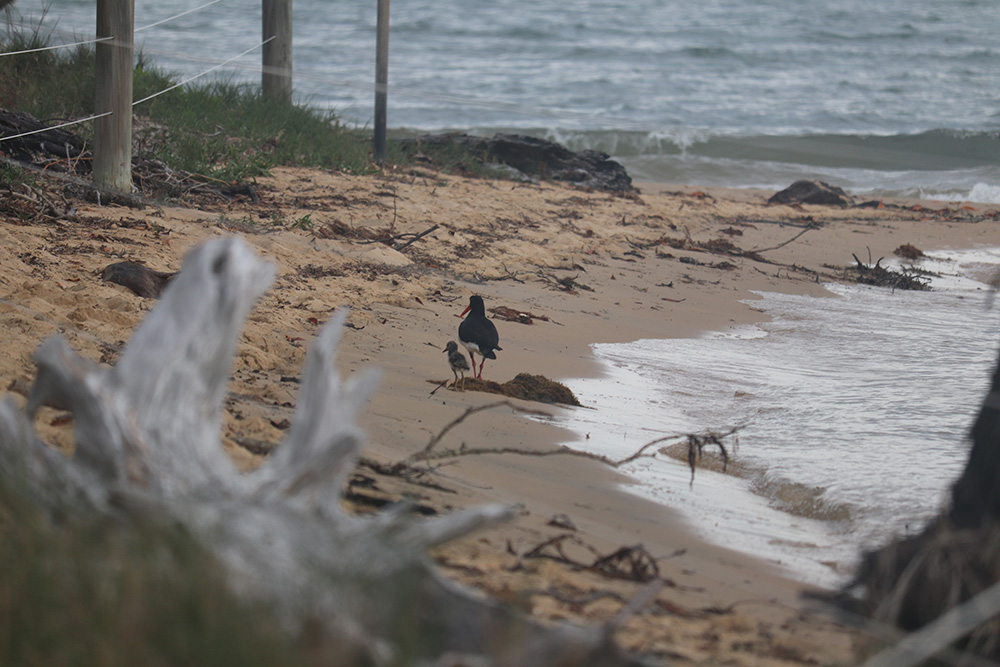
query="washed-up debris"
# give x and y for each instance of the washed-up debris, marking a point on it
(521, 317)
(526, 387)
(910, 252)
(142, 280)
(879, 276)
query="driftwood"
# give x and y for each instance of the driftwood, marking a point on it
(879, 276)
(141, 280)
(148, 449)
(43, 140)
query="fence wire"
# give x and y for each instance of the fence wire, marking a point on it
(177, 16)
(56, 47)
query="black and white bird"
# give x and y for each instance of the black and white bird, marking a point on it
(457, 361)
(478, 334)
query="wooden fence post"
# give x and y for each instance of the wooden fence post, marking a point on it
(381, 78)
(276, 70)
(113, 93)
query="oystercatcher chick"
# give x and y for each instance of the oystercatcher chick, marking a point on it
(478, 334)
(457, 361)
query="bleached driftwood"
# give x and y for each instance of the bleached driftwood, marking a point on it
(147, 440)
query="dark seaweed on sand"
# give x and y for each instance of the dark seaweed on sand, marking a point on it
(526, 386)
(909, 278)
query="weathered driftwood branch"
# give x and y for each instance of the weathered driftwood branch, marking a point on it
(695, 443)
(416, 237)
(811, 225)
(147, 440)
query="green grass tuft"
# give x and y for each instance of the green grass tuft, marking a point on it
(220, 130)
(76, 589)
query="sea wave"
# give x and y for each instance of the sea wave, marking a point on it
(939, 164)
(934, 150)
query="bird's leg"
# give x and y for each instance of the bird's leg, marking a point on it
(481, 364)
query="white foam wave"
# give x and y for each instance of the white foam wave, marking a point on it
(981, 193)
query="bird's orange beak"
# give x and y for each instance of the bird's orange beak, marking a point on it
(466, 310)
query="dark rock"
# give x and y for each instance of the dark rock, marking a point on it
(142, 280)
(812, 192)
(536, 158)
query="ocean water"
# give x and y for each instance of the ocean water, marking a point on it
(852, 413)
(881, 97)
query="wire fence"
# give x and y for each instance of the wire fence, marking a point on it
(366, 85)
(901, 653)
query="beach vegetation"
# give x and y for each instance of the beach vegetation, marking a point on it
(220, 130)
(11, 175)
(52, 85)
(449, 157)
(79, 589)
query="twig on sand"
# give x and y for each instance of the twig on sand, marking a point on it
(811, 225)
(425, 453)
(444, 383)
(696, 443)
(388, 238)
(416, 237)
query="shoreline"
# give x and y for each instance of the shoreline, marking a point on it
(668, 262)
(793, 528)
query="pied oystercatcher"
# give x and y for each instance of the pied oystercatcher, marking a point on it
(478, 334)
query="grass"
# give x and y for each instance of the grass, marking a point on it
(47, 84)
(231, 132)
(220, 130)
(79, 589)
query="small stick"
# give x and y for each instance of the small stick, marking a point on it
(417, 237)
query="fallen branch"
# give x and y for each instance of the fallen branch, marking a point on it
(387, 238)
(416, 237)
(424, 454)
(810, 226)
(696, 443)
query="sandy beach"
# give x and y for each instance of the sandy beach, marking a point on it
(404, 250)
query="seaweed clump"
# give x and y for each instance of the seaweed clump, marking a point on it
(528, 387)
(879, 276)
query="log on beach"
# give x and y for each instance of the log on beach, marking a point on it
(148, 450)
(36, 138)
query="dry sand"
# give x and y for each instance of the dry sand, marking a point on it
(669, 262)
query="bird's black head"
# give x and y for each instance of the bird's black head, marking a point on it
(476, 305)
